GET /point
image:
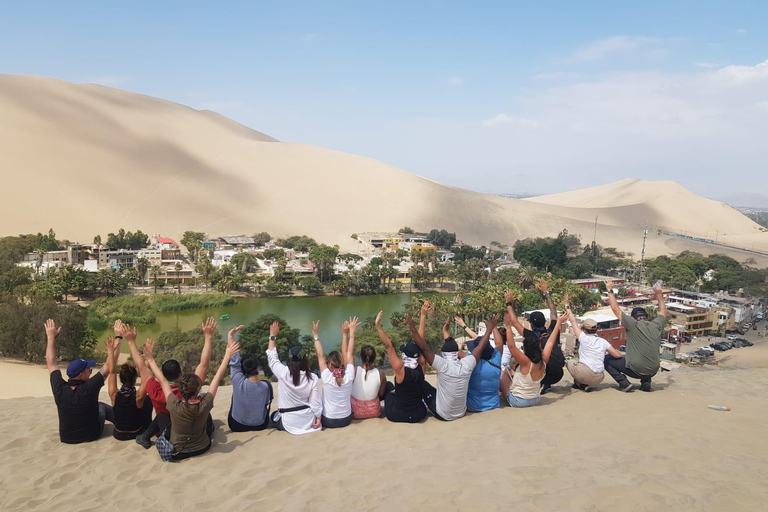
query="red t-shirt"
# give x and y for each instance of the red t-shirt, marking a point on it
(155, 393)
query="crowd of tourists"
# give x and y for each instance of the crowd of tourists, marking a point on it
(475, 377)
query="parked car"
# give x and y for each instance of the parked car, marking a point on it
(746, 343)
(722, 347)
(731, 336)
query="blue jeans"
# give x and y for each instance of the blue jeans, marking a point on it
(515, 401)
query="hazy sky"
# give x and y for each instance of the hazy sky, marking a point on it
(504, 97)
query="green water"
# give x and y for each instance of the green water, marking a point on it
(299, 312)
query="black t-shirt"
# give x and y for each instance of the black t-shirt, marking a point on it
(128, 417)
(556, 358)
(408, 393)
(78, 408)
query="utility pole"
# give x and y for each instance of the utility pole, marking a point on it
(642, 253)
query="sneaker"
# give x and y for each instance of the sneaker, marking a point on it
(545, 389)
(144, 441)
(646, 386)
(626, 388)
(586, 389)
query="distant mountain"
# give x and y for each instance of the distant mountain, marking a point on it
(747, 199)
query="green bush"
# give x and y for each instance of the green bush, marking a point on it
(186, 348)
(142, 309)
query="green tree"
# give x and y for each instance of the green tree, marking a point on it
(142, 266)
(110, 281)
(186, 348)
(262, 238)
(178, 268)
(193, 241)
(323, 257)
(155, 272)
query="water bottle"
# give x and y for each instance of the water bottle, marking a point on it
(719, 408)
(657, 285)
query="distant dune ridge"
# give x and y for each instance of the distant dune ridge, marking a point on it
(87, 159)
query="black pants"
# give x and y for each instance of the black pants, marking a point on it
(553, 375)
(158, 425)
(617, 368)
(335, 422)
(397, 414)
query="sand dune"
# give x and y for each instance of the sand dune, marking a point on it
(89, 159)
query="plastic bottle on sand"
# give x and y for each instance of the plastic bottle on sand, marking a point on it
(719, 408)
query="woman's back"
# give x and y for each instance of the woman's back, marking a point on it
(249, 399)
(524, 385)
(189, 422)
(367, 384)
(336, 397)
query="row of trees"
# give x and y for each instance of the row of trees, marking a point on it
(124, 240)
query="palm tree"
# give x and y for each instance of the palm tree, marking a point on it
(178, 269)
(142, 265)
(527, 277)
(155, 271)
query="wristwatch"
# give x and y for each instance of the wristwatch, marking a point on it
(317, 339)
(510, 304)
(118, 337)
(567, 307)
(273, 338)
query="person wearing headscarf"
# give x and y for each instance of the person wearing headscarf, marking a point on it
(298, 394)
(251, 397)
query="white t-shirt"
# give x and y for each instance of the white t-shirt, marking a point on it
(592, 351)
(288, 395)
(336, 404)
(452, 382)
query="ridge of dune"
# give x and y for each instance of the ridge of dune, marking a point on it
(90, 159)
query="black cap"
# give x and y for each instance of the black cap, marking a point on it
(410, 349)
(537, 319)
(296, 353)
(450, 345)
(639, 311)
(487, 351)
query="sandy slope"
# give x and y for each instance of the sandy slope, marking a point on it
(600, 451)
(88, 159)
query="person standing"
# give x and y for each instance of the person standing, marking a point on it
(642, 359)
(81, 415)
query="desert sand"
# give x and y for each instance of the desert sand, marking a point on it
(605, 450)
(91, 159)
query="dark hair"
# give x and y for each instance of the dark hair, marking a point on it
(532, 349)
(367, 356)
(503, 332)
(128, 375)
(334, 358)
(249, 365)
(296, 367)
(190, 385)
(171, 370)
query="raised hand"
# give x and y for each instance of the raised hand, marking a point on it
(491, 323)
(609, 284)
(542, 286)
(409, 321)
(345, 328)
(148, 349)
(563, 317)
(565, 299)
(274, 328)
(458, 321)
(50, 328)
(354, 323)
(509, 296)
(233, 331)
(209, 326)
(508, 322)
(378, 319)
(118, 327)
(233, 348)
(315, 329)
(426, 308)
(128, 333)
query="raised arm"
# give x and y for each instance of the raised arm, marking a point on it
(518, 354)
(111, 343)
(490, 327)
(233, 348)
(509, 297)
(209, 327)
(571, 317)
(460, 322)
(318, 346)
(429, 355)
(344, 341)
(51, 331)
(426, 308)
(350, 355)
(394, 360)
(274, 330)
(660, 299)
(129, 335)
(498, 340)
(544, 289)
(552, 338)
(612, 299)
(149, 358)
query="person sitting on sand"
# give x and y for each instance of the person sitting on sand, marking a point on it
(338, 373)
(369, 387)
(301, 406)
(453, 373)
(483, 390)
(406, 400)
(522, 387)
(642, 358)
(251, 397)
(587, 372)
(191, 428)
(542, 332)
(173, 373)
(132, 408)
(81, 415)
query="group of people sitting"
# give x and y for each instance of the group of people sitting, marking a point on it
(472, 377)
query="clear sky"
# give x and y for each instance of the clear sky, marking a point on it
(503, 97)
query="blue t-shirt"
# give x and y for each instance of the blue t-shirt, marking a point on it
(483, 391)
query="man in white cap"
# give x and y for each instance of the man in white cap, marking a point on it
(81, 415)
